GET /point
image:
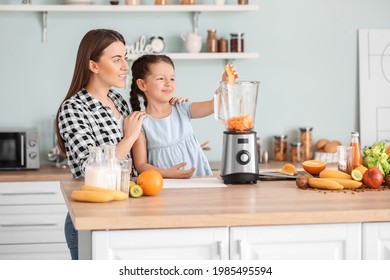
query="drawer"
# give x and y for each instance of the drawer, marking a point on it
(32, 224)
(30, 193)
(55, 251)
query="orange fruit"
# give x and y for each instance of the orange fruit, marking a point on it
(151, 182)
(288, 169)
(314, 167)
(387, 151)
(362, 169)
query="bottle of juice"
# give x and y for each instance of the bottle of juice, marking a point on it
(355, 157)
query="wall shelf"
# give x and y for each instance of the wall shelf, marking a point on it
(196, 10)
(127, 8)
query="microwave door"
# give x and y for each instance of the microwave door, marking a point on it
(12, 150)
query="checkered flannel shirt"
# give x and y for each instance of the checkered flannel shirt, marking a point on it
(85, 122)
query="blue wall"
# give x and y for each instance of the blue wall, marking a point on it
(308, 65)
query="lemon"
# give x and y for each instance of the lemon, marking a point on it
(357, 175)
(132, 183)
(136, 190)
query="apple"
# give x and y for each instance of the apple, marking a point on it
(373, 178)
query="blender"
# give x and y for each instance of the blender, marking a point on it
(235, 107)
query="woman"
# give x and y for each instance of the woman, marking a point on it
(92, 113)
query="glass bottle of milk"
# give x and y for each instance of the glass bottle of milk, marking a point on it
(96, 168)
(113, 172)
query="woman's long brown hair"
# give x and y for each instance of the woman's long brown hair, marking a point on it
(91, 48)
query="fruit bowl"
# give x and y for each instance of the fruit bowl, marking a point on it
(314, 167)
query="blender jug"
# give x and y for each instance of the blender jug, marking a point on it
(235, 107)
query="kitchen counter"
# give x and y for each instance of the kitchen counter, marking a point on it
(266, 203)
(45, 173)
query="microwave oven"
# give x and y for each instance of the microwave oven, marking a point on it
(19, 148)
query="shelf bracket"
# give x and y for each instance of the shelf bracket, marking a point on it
(229, 61)
(195, 21)
(44, 27)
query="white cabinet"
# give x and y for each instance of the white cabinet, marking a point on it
(297, 242)
(376, 241)
(32, 216)
(161, 244)
(293, 242)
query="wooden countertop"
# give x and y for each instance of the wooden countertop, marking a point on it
(45, 173)
(266, 203)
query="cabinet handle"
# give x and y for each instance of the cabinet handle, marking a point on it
(28, 193)
(219, 249)
(239, 249)
(29, 225)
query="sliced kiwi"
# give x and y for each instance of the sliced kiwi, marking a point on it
(136, 191)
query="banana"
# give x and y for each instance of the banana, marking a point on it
(91, 196)
(321, 183)
(332, 173)
(118, 195)
(347, 183)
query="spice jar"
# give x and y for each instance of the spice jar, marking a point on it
(222, 45)
(236, 42)
(306, 138)
(160, 2)
(280, 147)
(242, 2)
(212, 41)
(296, 152)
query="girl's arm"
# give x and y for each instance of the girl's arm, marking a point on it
(140, 159)
(206, 108)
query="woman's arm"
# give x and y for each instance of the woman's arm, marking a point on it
(132, 127)
(140, 159)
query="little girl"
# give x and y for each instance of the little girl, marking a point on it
(167, 142)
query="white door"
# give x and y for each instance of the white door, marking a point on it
(296, 242)
(376, 241)
(161, 244)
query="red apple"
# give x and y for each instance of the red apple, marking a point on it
(373, 178)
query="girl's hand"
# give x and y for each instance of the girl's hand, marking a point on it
(225, 77)
(177, 100)
(176, 172)
(133, 123)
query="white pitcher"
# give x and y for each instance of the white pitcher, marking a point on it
(192, 42)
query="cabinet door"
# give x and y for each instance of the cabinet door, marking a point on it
(296, 242)
(376, 241)
(161, 244)
(50, 251)
(29, 193)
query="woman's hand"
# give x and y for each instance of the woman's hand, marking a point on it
(133, 123)
(177, 100)
(225, 76)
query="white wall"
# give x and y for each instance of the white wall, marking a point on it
(308, 67)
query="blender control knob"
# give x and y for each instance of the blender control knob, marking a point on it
(243, 157)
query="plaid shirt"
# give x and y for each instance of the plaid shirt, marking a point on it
(85, 122)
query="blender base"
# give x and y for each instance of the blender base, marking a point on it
(240, 178)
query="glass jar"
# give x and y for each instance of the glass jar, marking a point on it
(95, 168)
(113, 168)
(306, 138)
(296, 152)
(236, 42)
(212, 40)
(223, 45)
(242, 2)
(280, 147)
